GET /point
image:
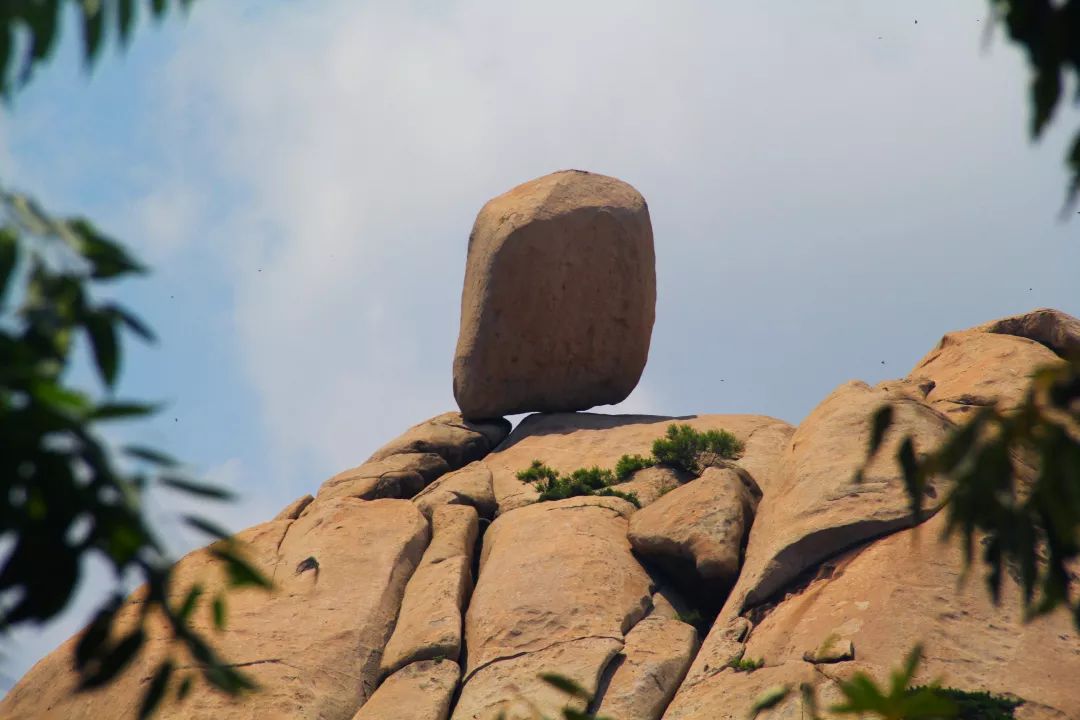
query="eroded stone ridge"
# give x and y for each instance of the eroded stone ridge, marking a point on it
(831, 576)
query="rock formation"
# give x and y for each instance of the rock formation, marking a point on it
(430, 582)
(558, 305)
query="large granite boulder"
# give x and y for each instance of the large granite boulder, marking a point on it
(559, 298)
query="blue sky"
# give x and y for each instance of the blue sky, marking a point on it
(832, 185)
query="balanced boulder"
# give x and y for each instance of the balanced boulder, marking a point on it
(559, 298)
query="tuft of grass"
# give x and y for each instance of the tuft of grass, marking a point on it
(747, 665)
(691, 617)
(630, 464)
(682, 445)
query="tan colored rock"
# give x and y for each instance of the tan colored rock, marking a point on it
(293, 509)
(313, 646)
(559, 298)
(695, 533)
(554, 572)
(971, 369)
(885, 598)
(396, 476)
(1056, 330)
(429, 624)
(558, 589)
(568, 441)
(816, 508)
(651, 484)
(471, 485)
(646, 674)
(451, 437)
(730, 694)
(511, 688)
(421, 691)
(831, 650)
(725, 642)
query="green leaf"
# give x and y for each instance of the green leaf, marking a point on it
(132, 321)
(93, 24)
(156, 692)
(103, 341)
(207, 527)
(219, 611)
(150, 455)
(1045, 92)
(883, 419)
(125, 19)
(9, 256)
(240, 572)
(565, 684)
(123, 411)
(191, 601)
(769, 698)
(184, 688)
(114, 661)
(196, 488)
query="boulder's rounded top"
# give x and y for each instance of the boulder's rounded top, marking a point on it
(561, 192)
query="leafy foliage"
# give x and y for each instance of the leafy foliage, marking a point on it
(863, 697)
(581, 482)
(66, 495)
(682, 446)
(977, 705)
(627, 465)
(1029, 526)
(1049, 33)
(37, 24)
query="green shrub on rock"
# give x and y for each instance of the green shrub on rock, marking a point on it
(630, 464)
(593, 481)
(682, 446)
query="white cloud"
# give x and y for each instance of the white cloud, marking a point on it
(358, 142)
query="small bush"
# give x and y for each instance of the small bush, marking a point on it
(581, 482)
(692, 617)
(682, 444)
(747, 665)
(536, 472)
(630, 464)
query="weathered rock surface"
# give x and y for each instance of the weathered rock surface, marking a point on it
(559, 298)
(1056, 330)
(313, 646)
(420, 691)
(695, 533)
(396, 476)
(429, 624)
(555, 578)
(651, 484)
(471, 485)
(971, 369)
(885, 598)
(451, 437)
(646, 674)
(817, 508)
(568, 441)
(512, 689)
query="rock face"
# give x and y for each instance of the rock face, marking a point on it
(558, 582)
(421, 691)
(781, 557)
(883, 598)
(559, 298)
(696, 531)
(429, 623)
